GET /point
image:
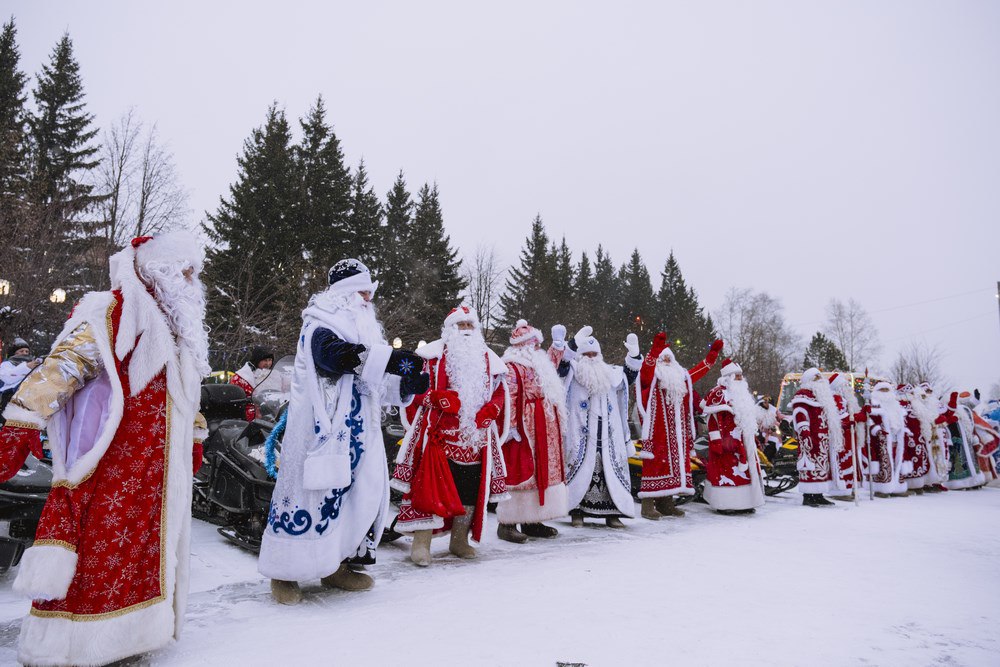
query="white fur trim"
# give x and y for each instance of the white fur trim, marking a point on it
(434, 522)
(16, 413)
(175, 247)
(402, 487)
(523, 507)
(633, 363)
(46, 572)
(62, 641)
(462, 314)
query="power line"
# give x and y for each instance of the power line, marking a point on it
(909, 305)
(946, 326)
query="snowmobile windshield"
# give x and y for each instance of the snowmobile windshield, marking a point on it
(277, 382)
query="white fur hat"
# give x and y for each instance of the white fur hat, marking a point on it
(585, 341)
(177, 247)
(730, 367)
(811, 375)
(523, 333)
(462, 314)
(667, 352)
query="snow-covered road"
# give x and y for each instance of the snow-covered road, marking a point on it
(913, 581)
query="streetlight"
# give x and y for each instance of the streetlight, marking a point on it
(397, 343)
(58, 295)
(4, 287)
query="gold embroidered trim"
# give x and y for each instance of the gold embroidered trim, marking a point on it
(68, 615)
(66, 484)
(19, 424)
(55, 543)
(165, 497)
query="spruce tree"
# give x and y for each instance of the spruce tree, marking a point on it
(365, 221)
(563, 278)
(436, 279)
(255, 270)
(581, 310)
(824, 354)
(525, 292)
(689, 329)
(392, 264)
(13, 145)
(62, 137)
(323, 207)
(637, 299)
(606, 303)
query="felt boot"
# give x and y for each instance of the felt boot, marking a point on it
(667, 507)
(509, 533)
(614, 522)
(286, 592)
(420, 551)
(576, 519)
(538, 530)
(649, 510)
(459, 544)
(347, 580)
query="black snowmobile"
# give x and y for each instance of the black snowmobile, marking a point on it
(232, 489)
(22, 498)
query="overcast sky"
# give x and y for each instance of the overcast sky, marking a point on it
(812, 150)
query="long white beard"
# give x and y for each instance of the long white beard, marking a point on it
(465, 362)
(363, 313)
(821, 390)
(183, 303)
(548, 377)
(925, 414)
(594, 375)
(743, 405)
(672, 378)
(893, 414)
(850, 400)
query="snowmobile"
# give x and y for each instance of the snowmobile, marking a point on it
(22, 499)
(232, 489)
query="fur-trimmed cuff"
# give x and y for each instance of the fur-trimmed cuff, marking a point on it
(46, 571)
(399, 485)
(22, 417)
(633, 363)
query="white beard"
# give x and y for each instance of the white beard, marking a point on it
(672, 379)
(925, 414)
(821, 390)
(465, 363)
(594, 375)
(548, 377)
(850, 400)
(741, 401)
(362, 313)
(183, 304)
(893, 414)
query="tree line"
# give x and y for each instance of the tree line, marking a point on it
(70, 197)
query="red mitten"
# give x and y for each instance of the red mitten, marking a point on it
(445, 400)
(713, 352)
(953, 401)
(862, 415)
(197, 454)
(15, 443)
(659, 344)
(486, 415)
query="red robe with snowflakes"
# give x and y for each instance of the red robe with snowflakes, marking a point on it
(820, 468)
(846, 460)
(433, 438)
(668, 429)
(109, 567)
(733, 470)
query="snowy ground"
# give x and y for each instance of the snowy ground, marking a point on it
(912, 581)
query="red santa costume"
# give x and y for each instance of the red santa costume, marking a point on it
(118, 396)
(450, 464)
(665, 400)
(919, 425)
(821, 440)
(735, 483)
(851, 420)
(533, 452)
(887, 438)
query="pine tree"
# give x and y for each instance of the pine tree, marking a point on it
(563, 278)
(255, 271)
(606, 303)
(525, 292)
(324, 205)
(824, 354)
(365, 221)
(689, 329)
(637, 299)
(436, 279)
(62, 136)
(392, 264)
(580, 311)
(13, 145)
